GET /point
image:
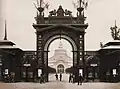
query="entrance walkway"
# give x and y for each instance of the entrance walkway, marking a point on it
(59, 85)
(64, 84)
(65, 77)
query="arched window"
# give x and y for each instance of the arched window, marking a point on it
(60, 68)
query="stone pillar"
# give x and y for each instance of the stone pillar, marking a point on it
(40, 58)
(39, 50)
(81, 53)
(46, 65)
(74, 58)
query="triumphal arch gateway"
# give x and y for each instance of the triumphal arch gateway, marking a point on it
(60, 24)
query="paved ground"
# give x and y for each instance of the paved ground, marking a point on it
(59, 85)
(53, 84)
(65, 77)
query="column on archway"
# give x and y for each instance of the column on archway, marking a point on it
(81, 50)
(81, 61)
(46, 65)
(39, 51)
(74, 58)
(45, 58)
(75, 63)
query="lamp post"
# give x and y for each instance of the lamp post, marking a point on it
(26, 65)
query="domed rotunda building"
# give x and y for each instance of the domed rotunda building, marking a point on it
(60, 60)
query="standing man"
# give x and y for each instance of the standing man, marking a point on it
(60, 76)
(41, 78)
(73, 79)
(44, 78)
(70, 78)
(56, 76)
(80, 79)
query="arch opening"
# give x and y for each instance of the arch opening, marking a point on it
(62, 57)
(69, 39)
(60, 52)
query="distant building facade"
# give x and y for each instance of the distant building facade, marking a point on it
(10, 60)
(60, 60)
(110, 61)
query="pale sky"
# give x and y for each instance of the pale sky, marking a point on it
(20, 14)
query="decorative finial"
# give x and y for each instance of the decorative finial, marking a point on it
(5, 37)
(115, 24)
(115, 32)
(41, 5)
(81, 5)
(37, 3)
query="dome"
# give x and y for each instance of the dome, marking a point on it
(60, 50)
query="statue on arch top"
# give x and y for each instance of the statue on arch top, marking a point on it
(67, 12)
(60, 11)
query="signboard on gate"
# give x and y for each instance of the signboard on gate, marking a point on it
(27, 65)
(6, 71)
(39, 72)
(114, 71)
(81, 71)
(93, 65)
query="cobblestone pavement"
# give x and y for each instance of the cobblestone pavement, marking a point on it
(53, 84)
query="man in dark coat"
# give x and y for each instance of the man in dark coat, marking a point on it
(56, 76)
(70, 78)
(80, 79)
(60, 76)
(73, 77)
(41, 78)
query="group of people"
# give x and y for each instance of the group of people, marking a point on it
(60, 76)
(71, 78)
(42, 78)
(9, 78)
(79, 79)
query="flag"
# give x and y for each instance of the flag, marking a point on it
(46, 5)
